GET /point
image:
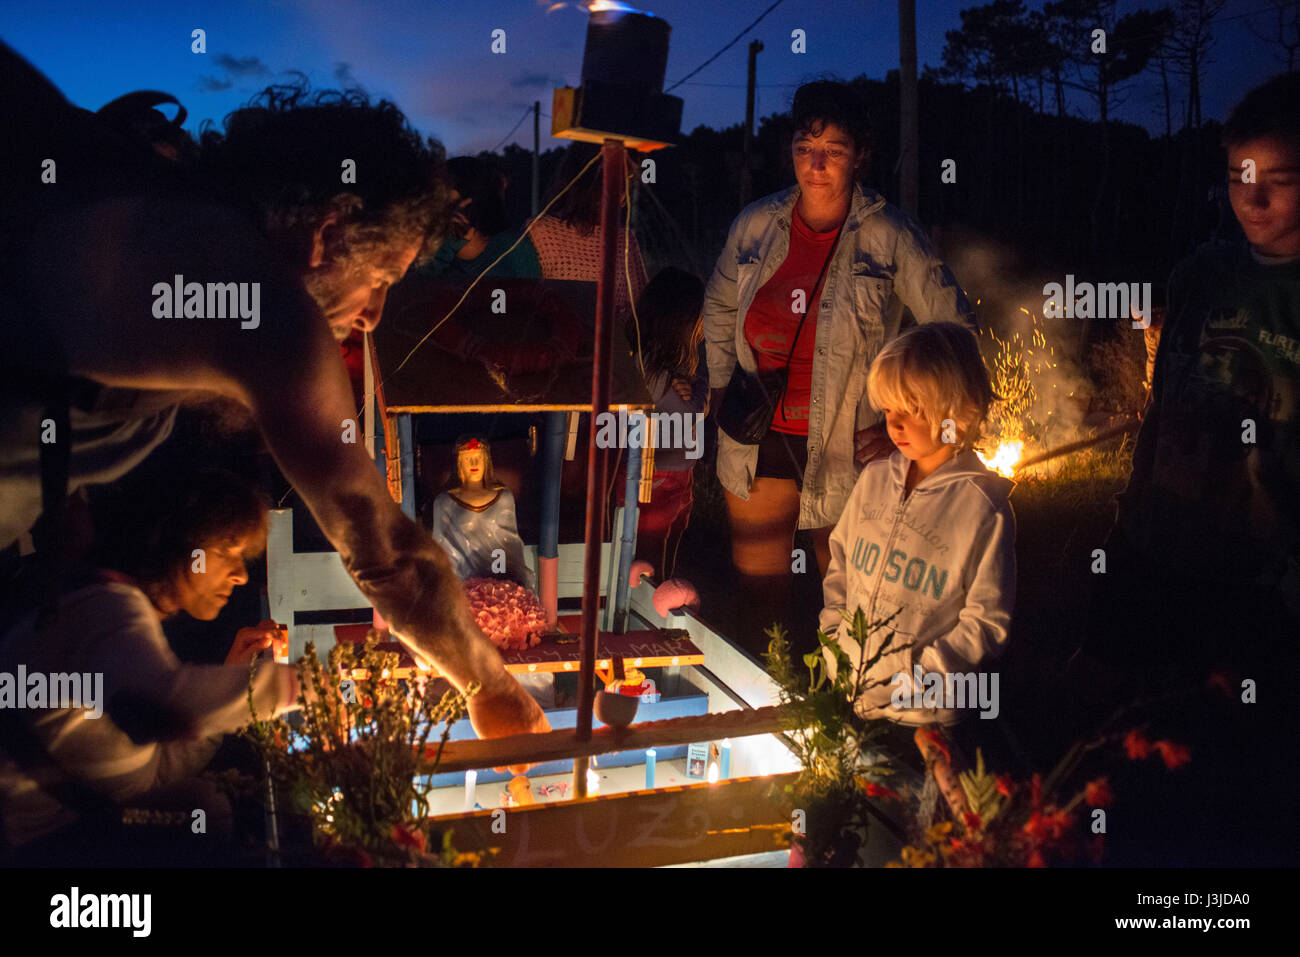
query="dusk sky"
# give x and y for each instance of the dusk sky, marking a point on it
(433, 57)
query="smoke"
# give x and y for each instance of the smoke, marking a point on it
(1032, 361)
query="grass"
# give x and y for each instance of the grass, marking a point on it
(1061, 519)
(1064, 511)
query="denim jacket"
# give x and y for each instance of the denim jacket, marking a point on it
(881, 252)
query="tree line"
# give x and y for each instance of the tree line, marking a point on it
(1084, 191)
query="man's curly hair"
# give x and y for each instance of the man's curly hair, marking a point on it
(281, 157)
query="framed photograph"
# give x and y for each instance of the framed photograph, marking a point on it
(697, 761)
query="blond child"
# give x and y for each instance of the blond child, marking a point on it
(927, 538)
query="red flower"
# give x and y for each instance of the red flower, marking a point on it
(1005, 786)
(1036, 860)
(1060, 823)
(935, 738)
(1222, 681)
(1098, 793)
(1136, 745)
(1175, 755)
(1036, 827)
(879, 790)
(1047, 825)
(971, 820)
(1097, 848)
(405, 838)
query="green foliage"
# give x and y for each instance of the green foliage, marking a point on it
(830, 738)
(352, 762)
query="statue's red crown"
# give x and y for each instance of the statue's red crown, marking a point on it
(473, 445)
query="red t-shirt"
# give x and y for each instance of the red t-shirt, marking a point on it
(771, 322)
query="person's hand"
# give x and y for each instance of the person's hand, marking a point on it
(250, 642)
(504, 710)
(871, 444)
(683, 388)
(459, 220)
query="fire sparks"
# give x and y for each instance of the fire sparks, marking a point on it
(1020, 367)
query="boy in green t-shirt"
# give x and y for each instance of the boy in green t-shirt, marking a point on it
(1208, 530)
(1202, 584)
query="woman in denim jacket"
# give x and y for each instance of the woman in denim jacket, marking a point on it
(766, 279)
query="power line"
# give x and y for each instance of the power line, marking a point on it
(468, 289)
(726, 48)
(512, 131)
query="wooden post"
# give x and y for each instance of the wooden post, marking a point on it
(908, 133)
(548, 542)
(627, 546)
(746, 174)
(537, 155)
(612, 174)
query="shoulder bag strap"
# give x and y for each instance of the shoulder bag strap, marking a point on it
(812, 296)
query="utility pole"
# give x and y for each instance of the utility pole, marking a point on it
(746, 174)
(908, 131)
(537, 156)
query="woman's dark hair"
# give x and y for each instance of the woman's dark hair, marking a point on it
(669, 314)
(580, 206)
(147, 526)
(282, 157)
(824, 102)
(1270, 109)
(481, 181)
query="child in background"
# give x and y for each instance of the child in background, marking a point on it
(480, 227)
(1202, 581)
(928, 534)
(668, 335)
(1204, 559)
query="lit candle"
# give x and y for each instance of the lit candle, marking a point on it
(725, 758)
(593, 782)
(713, 772)
(471, 788)
(650, 756)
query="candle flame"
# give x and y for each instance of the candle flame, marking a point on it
(593, 6)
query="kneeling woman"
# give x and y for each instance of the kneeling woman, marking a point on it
(68, 769)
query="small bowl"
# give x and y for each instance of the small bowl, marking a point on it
(615, 710)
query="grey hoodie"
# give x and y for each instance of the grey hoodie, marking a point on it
(943, 559)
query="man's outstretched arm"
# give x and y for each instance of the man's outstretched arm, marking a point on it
(395, 563)
(96, 272)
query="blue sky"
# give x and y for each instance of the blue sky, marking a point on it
(433, 57)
